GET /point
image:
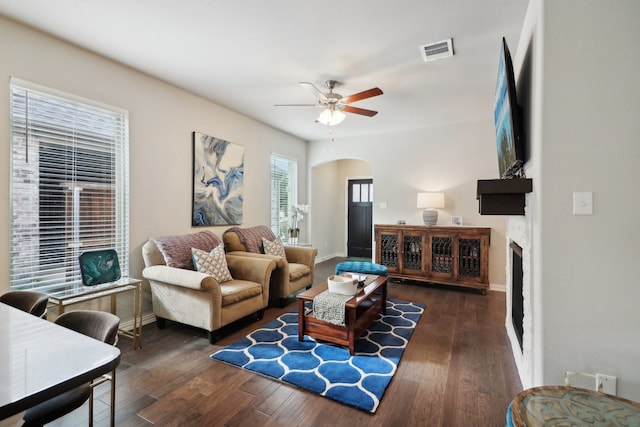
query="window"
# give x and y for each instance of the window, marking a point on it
(361, 192)
(69, 186)
(284, 193)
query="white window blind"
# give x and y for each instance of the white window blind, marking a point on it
(284, 193)
(69, 186)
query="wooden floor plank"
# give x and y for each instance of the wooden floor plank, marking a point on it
(457, 370)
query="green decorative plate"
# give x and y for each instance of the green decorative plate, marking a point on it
(101, 266)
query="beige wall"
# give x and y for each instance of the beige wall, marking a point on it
(161, 121)
(325, 197)
(329, 183)
(449, 159)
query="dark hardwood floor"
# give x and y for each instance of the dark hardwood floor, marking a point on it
(457, 370)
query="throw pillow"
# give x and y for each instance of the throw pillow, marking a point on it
(213, 263)
(275, 248)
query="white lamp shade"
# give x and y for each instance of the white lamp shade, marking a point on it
(330, 117)
(430, 200)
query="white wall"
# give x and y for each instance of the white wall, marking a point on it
(161, 121)
(448, 158)
(586, 113)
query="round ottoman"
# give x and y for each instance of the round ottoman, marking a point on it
(361, 267)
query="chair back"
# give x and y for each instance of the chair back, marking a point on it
(32, 302)
(100, 325)
(151, 254)
(247, 239)
(97, 267)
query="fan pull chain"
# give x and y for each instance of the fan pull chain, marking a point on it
(330, 134)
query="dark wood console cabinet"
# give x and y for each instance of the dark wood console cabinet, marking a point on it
(456, 256)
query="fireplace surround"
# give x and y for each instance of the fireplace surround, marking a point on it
(519, 319)
(517, 301)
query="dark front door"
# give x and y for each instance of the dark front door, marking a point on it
(360, 213)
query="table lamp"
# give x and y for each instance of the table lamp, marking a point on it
(430, 202)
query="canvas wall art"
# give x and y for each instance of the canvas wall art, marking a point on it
(218, 181)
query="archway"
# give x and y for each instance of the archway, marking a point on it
(328, 189)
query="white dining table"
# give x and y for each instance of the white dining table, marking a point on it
(40, 360)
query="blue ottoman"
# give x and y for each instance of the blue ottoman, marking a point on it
(361, 267)
(509, 416)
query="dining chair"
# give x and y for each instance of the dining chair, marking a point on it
(32, 302)
(100, 325)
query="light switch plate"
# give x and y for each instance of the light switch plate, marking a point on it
(583, 203)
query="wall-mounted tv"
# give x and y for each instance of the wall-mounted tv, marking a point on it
(507, 114)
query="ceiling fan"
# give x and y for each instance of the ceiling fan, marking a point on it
(334, 104)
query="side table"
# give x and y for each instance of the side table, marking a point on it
(570, 406)
(81, 293)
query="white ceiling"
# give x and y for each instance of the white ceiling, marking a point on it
(248, 55)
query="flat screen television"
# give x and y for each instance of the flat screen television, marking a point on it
(507, 116)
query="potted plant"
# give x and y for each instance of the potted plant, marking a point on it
(297, 215)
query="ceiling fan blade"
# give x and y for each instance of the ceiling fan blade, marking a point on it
(361, 111)
(314, 90)
(362, 95)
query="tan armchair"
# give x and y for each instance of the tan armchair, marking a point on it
(292, 273)
(186, 296)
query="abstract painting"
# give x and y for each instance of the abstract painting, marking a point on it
(218, 175)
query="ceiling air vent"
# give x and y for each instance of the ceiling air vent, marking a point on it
(437, 50)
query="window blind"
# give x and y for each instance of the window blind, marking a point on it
(284, 193)
(69, 186)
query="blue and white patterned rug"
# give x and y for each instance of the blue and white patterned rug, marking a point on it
(328, 369)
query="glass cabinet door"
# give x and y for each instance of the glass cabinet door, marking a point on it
(469, 261)
(442, 255)
(389, 250)
(412, 252)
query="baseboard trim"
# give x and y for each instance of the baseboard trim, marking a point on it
(497, 287)
(146, 319)
(325, 258)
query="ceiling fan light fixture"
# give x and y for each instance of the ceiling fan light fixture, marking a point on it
(336, 105)
(330, 117)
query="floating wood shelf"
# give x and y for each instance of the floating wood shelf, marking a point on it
(503, 196)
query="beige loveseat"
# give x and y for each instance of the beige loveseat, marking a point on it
(194, 298)
(292, 273)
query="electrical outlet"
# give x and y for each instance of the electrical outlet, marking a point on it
(606, 383)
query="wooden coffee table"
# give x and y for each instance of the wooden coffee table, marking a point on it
(361, 310)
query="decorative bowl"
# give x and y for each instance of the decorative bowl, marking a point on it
(342, 285)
